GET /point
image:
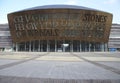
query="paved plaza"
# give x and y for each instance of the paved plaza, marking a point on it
(59, 67)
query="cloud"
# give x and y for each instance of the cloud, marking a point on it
(71, 2)
(110, 1)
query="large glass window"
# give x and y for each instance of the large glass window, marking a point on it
(52, 45)
(59, 45)
(76, 46)
(44, 43)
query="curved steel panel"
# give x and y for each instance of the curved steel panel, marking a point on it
(60, 24)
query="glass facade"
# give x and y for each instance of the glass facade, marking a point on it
(58, 46)
(5, 38)
(114, 39)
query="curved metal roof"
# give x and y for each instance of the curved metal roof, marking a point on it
(59, 7)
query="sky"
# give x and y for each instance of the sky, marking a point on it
(8, 6)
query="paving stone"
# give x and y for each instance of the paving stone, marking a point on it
(37, 70)
(4, 61)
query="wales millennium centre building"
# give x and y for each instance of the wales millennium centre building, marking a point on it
(57, 28)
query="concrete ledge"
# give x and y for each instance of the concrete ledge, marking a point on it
(10, 79)
(60, 68)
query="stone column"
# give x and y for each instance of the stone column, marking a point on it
(94, 46)
(106, 47)
(63, 46)
(30, 46)
(80, 46)
(39, 46)
(102, 47)
(25, 46)
(71, 47)
(77, 46)
(16, 46)
(42, 46)
(55, 45)
(89, 46)
(48, 45)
